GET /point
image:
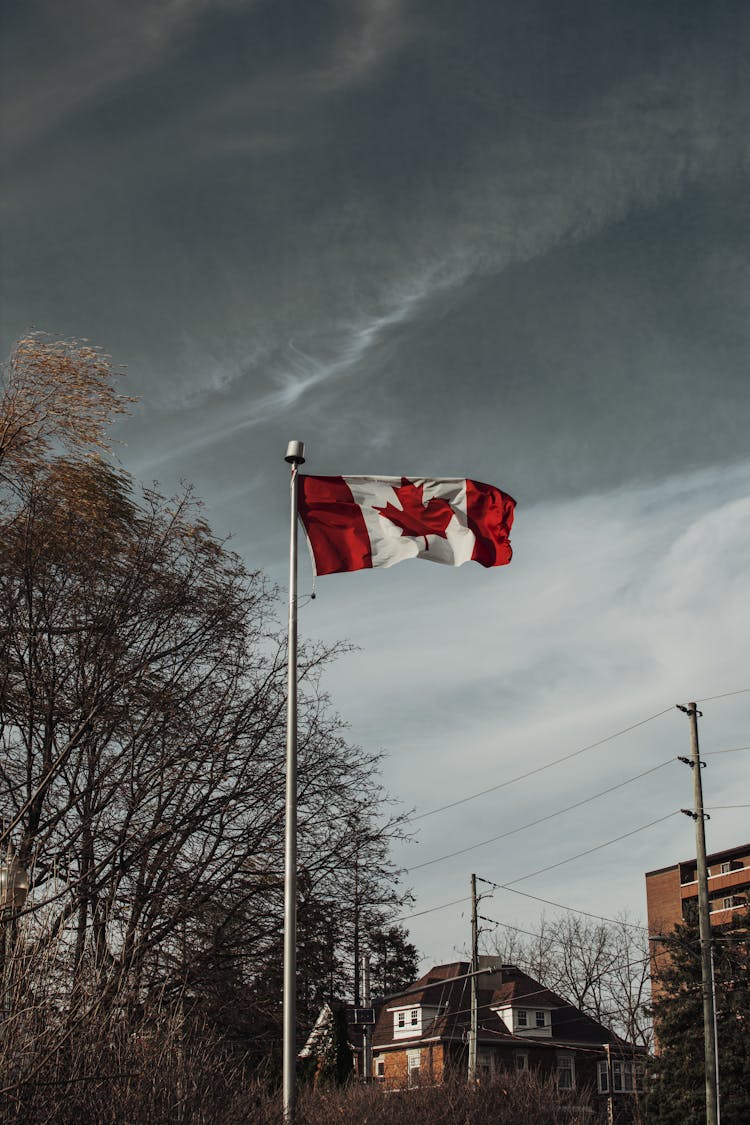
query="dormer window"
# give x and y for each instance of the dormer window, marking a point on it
(529, 1023)
(411, 1022)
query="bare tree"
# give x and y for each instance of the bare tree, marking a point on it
(601, 967)
(142, 743)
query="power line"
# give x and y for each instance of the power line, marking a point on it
(541, 819)
(589, 851)
(724, 695)
(541, 870)
(561, 906)
(733, 750)
(540, 769)
(430, 910)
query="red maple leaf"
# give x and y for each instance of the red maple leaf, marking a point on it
(418, 516)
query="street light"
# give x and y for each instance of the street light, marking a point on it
(14, 889)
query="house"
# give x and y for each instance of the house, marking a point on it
(422, 1034)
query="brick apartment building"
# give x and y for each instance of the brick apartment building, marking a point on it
(670, 889)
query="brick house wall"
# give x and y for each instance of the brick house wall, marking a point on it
(431, 1064)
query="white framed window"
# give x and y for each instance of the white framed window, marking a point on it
(412, 1066)
(485, 1060)
(522, 1017)
(566, 1075)
(627, 1076)
(414, 1017)
(379, 1068)
(400, 1020)
(521, 1060)
(725, 868)
(622, 1077)
(602, 1076)
(540, 1018)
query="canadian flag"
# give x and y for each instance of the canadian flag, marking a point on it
(354, 523)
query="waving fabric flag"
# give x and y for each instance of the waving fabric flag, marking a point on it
(354, 523)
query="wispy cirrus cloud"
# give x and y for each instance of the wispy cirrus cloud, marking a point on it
(296, 374)
(615, 607)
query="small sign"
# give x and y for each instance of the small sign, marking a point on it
(364, 1015)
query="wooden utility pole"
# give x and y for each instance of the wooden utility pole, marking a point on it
(610, 1092)
(367, 1029)
(473, 1027)
(704, 920)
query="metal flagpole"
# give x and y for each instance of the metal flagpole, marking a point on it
(295, 457)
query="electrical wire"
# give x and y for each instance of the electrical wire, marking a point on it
(541, 870)
(724, 695)
(431, 909)
(733, 750)
(561, 906)
(589, 851)
(540, 769)
(539, 820)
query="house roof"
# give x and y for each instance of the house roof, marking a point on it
(448, 988)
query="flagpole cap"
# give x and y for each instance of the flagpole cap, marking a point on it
(295, 453)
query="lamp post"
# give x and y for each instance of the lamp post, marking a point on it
(14, 888)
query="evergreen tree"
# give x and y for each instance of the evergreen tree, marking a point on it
(395, 961)
(677, 1089)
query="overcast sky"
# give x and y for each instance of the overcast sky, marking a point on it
(498, 239)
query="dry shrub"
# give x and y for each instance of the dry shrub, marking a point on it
(513, 1099)
(169, 1071)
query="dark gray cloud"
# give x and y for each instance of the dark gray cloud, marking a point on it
(509, 241)
(369, 219)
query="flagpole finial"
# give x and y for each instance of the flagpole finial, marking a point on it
(295, 453)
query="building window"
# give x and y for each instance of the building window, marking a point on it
(484, 1062)
(565, 1072)
(725, 868)
(380, 1069)
(521, 1060)
(414, 1018)
(412, 1066)
(626, 1076)
(540, 1020)
(602, 1075)
(729, 902)
(400, 1020)
(522, 1017)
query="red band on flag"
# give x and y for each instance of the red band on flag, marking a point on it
(334, 524)
(489, 514)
